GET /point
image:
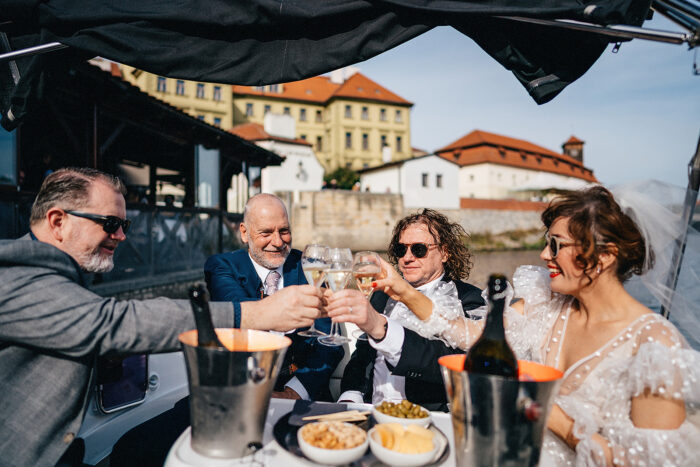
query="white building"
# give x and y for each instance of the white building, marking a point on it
(300, 170)
(425, 182)
(499, 167)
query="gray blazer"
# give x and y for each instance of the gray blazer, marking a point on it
(52, 329)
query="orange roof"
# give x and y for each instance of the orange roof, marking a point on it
(256, 132)
(320, 89)
(573, 139)
(480, 147)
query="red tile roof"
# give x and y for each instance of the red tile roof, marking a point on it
(256, 132)
(480, 147)
(320, 89)
(573, 139)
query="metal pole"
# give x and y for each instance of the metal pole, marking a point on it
(615, 30)
(37, 49)
(691, 197)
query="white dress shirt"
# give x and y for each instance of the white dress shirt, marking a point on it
(262, 271)
(386, 385)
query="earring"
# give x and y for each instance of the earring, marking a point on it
(598, 269)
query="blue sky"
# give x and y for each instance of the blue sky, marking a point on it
(638, 110)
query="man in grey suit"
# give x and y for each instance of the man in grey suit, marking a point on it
(52, 327)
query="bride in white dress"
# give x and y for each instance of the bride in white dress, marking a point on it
(631, 381)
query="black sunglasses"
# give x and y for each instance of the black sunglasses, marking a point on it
(419, 250)
(110, 224)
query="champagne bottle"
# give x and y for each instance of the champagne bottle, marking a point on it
(491, 353)
(199, 299)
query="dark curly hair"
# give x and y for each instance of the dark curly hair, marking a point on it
(450, 236)
(598, 225)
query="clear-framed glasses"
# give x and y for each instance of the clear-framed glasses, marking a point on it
(110, 224)
(555, 244)
(315, 261)
(337, 277)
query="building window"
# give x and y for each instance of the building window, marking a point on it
(287, 111)
(200, 117)
(348, 140)
(319, 143)
(348, 165)
(162, 84)
(200, 91)
(399, 144)
(383, 141)
(302, 115)
(438, 180)
(267, 109)
(303, 137)
(382, 115)
(319, 116)
(365, 165)
(180, 87)
(217, 121)
(471, 177)
(348, 111)
(365, 142)
(249, 109)
(424, 180)
(275, 88)
(259, 88)
(399, 117)
(365, 113)
(217, 93)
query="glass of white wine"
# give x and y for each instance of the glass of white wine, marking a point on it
(366, 268)
(337, 277)
(315, 261)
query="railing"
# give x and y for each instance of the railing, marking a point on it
(162, 244)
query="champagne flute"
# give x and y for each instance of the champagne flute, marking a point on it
(366, 268)
(314, 262)
(337, 277)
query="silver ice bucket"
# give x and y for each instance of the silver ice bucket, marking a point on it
(499, 421)
(230, 389)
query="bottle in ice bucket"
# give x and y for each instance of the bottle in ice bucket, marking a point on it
(491, 354)
(199, 299)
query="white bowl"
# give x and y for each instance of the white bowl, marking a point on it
(394, 458)
(332, 456)
(384, 418)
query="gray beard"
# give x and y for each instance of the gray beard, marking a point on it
(94, 262)
(261, 261)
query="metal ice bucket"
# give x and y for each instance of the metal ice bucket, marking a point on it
(230, 389)
(499, 421)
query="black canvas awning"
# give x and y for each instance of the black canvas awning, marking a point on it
(255, 42)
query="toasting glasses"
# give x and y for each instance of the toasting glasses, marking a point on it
(337, 277)
(315, 260)
(366, 268)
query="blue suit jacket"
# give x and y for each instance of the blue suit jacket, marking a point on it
(231, 277)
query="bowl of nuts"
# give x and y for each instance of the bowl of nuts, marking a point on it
(404, 412)
(332, 443)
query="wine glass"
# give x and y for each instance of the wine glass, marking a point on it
(314, 261)
(366, 268)
(337, 277)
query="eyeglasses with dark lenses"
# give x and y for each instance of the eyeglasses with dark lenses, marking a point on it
(110, 224)
(555, 244)
(419, 250)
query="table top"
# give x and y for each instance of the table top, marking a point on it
(272, 454)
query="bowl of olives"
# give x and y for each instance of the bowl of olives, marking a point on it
(404, 412)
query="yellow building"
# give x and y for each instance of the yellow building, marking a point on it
(353, 123)
(210, 102)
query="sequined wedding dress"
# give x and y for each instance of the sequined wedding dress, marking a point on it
(650, 354)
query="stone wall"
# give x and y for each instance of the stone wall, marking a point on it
(364, 221)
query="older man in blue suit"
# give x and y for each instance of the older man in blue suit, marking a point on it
(268, 275)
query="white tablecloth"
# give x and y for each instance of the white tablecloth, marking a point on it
(182, 455)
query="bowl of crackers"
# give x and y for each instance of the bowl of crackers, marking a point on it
(399, 445)
(404, 412)
(332, 443)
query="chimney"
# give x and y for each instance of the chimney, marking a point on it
(573, 147)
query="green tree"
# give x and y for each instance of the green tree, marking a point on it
(345, 178)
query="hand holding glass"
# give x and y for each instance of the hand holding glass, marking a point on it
(314, 261)
(337, 277)
(366, 268)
